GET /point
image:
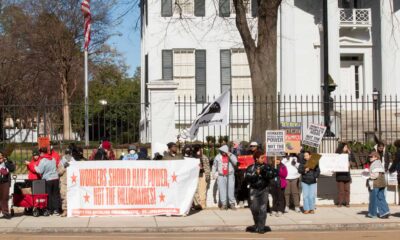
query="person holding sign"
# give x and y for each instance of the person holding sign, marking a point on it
(343, 179)
(309, 171)
(224, 170)
(259, 176)
(293, 181)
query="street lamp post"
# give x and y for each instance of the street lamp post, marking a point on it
(375, 97)
(104, 103)
(327, 117)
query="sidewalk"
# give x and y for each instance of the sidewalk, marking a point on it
(326, 218)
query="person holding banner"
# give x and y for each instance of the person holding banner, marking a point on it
(343, 179)
(309, 176)
(172, 153)
(224, 170)
(259, 176)
(395, 167)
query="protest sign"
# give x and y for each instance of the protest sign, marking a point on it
(292, 136)
(275, 143)
(314, 135)
(392, 179)
(131, 188)
(245, 161)
(330, 163)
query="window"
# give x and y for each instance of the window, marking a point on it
(184, 72)
(184, 7)
(241, 79)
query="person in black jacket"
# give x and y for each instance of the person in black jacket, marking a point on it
(343, 179)
(308, 183)
(6, 168)
(395, 167)
(258, 176)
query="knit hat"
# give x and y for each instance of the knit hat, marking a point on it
(35, 152)
(132, 147)
(106, 145)
(224, 149)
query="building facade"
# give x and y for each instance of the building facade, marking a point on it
(191, 51)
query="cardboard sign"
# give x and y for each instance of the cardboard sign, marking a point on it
(392, 179)
(292, 136)
(245, 161)
(275, 143)
(314, 135)
(131, 188)
(44, 142)
(330, 163)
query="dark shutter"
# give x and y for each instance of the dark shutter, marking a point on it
(167, 65)
(224, 8)
(166, 8)
(201, 78)
(254, 8)
(199, 8)
(225, 70)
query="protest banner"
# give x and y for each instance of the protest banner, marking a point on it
(131, 188)
(330, 163)
(314, 135)
(215, 113)
(245, 161)
(275, 142)
(292, 136)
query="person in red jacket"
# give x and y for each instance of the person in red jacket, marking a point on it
(55, 155)
(32, 174)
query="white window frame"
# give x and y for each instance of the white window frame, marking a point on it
(240, 92)
(185, 77)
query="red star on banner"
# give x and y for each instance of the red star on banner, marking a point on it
(86, 197)
(73, 177)
(174, 177)
(162, 197)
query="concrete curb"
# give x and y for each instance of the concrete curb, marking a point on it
(278, 228)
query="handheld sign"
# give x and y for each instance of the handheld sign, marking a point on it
(292, 136)
(314, 135)
(275, 143)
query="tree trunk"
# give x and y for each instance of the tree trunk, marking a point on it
(262, 58)
(67, 126)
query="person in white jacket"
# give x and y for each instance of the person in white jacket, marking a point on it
(293, 180)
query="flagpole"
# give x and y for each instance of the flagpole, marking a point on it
(86, 100)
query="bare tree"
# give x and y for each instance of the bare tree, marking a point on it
(262, 57)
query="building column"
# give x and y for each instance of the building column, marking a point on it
(334, 44)
(287, 49)
(389, 50)
(162, 112)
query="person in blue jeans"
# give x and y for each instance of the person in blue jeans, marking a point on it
(309, 184)
(376, 185)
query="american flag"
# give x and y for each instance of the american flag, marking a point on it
(85, 7)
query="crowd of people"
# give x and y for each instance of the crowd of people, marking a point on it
(284, 178)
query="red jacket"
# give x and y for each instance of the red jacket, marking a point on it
(32, 174)
(56, 156)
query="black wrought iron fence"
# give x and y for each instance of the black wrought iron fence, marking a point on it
(358, 119)
(21, 125)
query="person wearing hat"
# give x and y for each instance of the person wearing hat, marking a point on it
(376, 185)
(224, 170)
(104, 152)
(30, 165)
(132, 155)
(172, 153)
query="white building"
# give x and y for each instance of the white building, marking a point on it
(192, 48)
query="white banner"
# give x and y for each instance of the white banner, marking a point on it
(275, 142)
(131, 188)
(216, 113)
(330, 163)
(314, 135)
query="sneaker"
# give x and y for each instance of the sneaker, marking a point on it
(297, 209)
(232, 207)
(370, 216)
(286, 209)
(312, 212)
(273, 213)
(278, 214)
(6, 216)
(306, 212)
(57, 213)
(224, 207)
(386, 216)
(241, 204)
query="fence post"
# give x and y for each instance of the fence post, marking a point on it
(162, 112)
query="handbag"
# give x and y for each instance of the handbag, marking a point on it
(380, 182)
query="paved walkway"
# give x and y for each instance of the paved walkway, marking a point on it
(326, 218)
